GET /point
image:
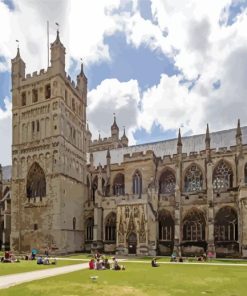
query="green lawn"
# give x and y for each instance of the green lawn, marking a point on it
(24, 266)
(141, 279)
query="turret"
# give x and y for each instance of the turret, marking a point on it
(115, 129)
(179, 143)
(18, 69)
(58, 56)
(124, 140)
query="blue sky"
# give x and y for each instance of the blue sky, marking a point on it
(159, 65)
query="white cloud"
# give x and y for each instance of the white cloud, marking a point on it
(6, 132)
(113, 96)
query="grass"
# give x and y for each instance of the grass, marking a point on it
(141, 279)
(25, 266)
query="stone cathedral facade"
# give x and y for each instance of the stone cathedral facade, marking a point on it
(69, 193)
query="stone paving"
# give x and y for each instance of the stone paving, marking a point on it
(7, 281)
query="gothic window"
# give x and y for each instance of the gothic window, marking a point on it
(194, 226)
(193, 179)
(37, 125)
(166, 226)
(245, 174)
(89, 194)
(33, 126)
(222, 176)
(226, 225)
(167, 182)
(23, 99)
(94, 187)
(110, 227)
(137, 183)
(74, 223)
(36, 183)
(127, 212)
(35, 95)
(118, 185)
(47, 91)
(89, 229)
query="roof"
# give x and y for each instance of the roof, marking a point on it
(220, 139)
(7, 172)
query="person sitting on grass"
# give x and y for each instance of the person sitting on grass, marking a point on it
(115, 264)
(106, 263)
(46, 261)
(98, 265)
(39, 260)
(154, 263)
(91, 264)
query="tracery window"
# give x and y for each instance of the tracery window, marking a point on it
(166, 226)
(110, 227)
(36, 183)
(89, 229)
(226, 225)
(194, 226)
(222, 176)
(137, 183)
(193, 179)
(167, 182)
(118, 185)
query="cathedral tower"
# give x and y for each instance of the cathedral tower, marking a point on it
(48, 156)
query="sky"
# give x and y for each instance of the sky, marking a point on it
(159, 65)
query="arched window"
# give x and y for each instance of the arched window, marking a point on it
(89, 194)
(167, 182)
(74, 223)
(194, 226)
(36, 183)
(166, 226)
(193, 179)
(137, 183)
(110, 227)
(118, 185)
(94, 187)
(89, 229)
(245, 174)
(226, 225)
(222, 176)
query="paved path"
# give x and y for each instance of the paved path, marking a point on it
(7, 281)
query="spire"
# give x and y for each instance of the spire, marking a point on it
(207, 138)
(114, 125)
(179, 143)
(238, 134)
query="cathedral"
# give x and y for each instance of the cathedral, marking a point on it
(69, 193)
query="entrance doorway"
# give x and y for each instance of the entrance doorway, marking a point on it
(132, 242)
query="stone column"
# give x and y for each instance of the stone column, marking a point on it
(210, 199)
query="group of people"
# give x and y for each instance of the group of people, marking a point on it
(46, 260)
(9, 258)
(99, 262)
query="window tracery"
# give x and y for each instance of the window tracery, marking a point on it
(222, 176)
(194, 226)
(137, 183)
(167, 183)
(110, 227)
(89, 229)
(226, 225)
(118, 185)
(36, 183)
(166, 226)
(193, 179)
